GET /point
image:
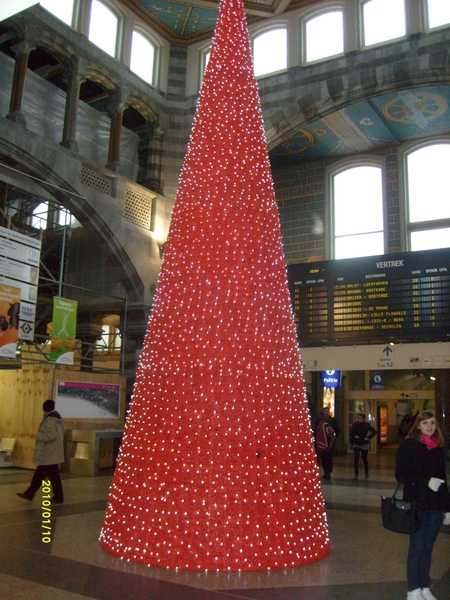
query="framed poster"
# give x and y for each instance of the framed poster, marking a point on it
(383, 424)
(83, 400)
(329, 399)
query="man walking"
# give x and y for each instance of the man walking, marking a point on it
(48, 454)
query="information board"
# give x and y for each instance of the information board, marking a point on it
(19, 268)
(401, 297)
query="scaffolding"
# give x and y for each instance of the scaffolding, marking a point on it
(96, 349)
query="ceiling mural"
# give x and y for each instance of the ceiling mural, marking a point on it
(181, 19)
(188, 21)
(388, 119)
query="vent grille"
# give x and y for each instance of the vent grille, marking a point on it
(96, 180)
(138, 208)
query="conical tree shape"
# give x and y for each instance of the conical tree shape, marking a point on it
(217, 468)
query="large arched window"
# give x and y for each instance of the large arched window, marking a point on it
(143, 54)
(270, 51)
(324, 35)
(438, 13)
(427, 183)
(103, 27)
(62, 10)
(205, 59)
(357, 211)
(383, 20)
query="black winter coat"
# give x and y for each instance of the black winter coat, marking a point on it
(415, 465)
(360, 431)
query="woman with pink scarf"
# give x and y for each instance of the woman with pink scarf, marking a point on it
(420, 466)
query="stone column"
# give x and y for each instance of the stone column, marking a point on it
(116, 106)
(22, 52)
(154, 166)
(74, 78)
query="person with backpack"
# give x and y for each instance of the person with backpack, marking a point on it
(326, 431)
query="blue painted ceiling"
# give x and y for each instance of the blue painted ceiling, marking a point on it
(188, 21)
(387, 119)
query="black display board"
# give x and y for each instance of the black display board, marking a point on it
(402, 297)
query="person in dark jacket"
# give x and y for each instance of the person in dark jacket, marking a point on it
(48, 454)
(420, 466)
(360, 435)
(326, 431)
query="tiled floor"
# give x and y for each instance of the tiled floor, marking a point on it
(366, 562)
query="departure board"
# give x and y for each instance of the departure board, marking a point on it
(403, 297)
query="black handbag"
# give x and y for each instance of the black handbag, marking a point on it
(399, 515)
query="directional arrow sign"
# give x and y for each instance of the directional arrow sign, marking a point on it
(387, 361)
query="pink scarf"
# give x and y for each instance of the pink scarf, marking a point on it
(430, 443)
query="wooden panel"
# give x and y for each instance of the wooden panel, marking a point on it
(22, 393)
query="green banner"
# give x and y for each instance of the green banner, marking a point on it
(63, 331)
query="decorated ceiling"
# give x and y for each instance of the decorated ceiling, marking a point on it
(188, 21)
(389, 119)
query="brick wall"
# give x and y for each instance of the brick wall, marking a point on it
(301, 195)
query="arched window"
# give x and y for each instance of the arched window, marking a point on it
(103, 27)
(324, 35)
(357, 211)
(142, 57)
(270, 51)
(61, 10)
(205, 59)
(438, 13)
(428, 197)
(383, 20)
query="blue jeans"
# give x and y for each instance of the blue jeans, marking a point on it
(421, 548)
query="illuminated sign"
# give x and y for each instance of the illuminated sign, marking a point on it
(372, 298)
(331, 378)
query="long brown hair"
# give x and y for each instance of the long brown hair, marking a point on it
(415, 432)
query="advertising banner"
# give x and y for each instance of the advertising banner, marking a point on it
(9, 320)
(63, 331)
(383, 424)
(329, 399)
(19, 268)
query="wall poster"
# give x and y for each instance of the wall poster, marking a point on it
(83, 400)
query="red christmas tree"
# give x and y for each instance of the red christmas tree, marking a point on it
(217, 468)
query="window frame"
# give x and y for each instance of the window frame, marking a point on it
(75, 9)
(363, 44)
(406, 228)
(428, 27)
(280, 25)
(203, 51)
(156, 54)
(120, 28)
(337, 168)
(313, 14)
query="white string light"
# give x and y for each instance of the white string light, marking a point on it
(217, 469)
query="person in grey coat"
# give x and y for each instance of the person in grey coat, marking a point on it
(48, 454)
